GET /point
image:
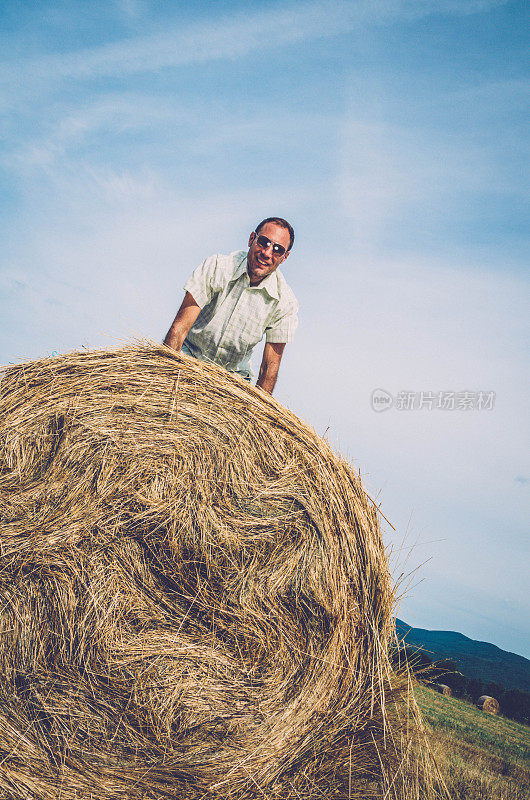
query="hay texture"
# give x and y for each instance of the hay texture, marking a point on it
(195, 599)
(442, 688)
(488, 704)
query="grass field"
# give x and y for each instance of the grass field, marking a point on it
(482, 757)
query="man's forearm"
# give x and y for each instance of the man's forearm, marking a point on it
(267, 378)
(175, 338)
(270, 365)
(181, 325)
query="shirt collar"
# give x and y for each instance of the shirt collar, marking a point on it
(270, 283)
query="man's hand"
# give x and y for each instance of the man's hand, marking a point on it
(186, 316)
(270, 364)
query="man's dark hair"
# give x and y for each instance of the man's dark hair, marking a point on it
(282, 223)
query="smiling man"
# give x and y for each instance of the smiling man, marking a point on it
(232, 301)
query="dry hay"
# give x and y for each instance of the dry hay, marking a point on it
(442, 688)
(488, 704)
(195, 596)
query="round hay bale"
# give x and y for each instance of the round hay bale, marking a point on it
(488, 704)
(195, 596)
(442, 688)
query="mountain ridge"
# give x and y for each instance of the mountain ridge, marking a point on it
(475, 659)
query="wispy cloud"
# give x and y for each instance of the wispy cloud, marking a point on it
(232, 37)
(388, 168)
(132, 10)
(444, 165)
(109, 115)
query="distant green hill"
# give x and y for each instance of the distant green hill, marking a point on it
(481, 660)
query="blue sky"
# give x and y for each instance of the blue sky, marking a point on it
(139, 137)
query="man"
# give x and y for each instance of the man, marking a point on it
(232, 300)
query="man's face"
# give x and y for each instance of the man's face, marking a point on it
(262, 261)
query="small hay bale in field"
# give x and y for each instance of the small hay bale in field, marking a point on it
(195, 597)
(442, 688)
(488, 704)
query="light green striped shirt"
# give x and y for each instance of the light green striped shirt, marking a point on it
(234, 315)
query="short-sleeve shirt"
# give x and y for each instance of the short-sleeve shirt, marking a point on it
(234, 315)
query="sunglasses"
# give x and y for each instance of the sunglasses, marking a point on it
(264, 243)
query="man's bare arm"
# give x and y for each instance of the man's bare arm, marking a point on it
(270, 364)
(186, 316)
